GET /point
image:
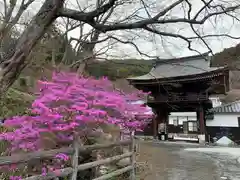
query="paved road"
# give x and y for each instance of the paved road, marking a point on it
(169, 161)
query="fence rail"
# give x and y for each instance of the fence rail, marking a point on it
(74, 151)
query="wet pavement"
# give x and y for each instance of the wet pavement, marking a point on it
(169, 161)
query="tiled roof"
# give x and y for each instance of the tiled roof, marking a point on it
(193, 65)
(233, 107)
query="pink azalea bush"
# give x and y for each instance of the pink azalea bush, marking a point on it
(66, 105)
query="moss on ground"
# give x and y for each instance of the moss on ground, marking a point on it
(15, 103)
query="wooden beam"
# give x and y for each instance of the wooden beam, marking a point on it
(104, 161)
(114, 173)
(75, 158)
(66, 171)
(25, 157)
(133, 157)
(201, 120)
(155, 128)
(62, 173)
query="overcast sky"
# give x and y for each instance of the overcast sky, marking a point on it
(171, 47)
(153, 44)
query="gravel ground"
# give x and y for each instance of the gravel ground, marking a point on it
(169, 161)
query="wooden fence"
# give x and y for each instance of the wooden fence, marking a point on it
(75, 151)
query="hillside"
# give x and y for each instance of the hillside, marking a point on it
(19, 97)
(118, 69)
(230, 57)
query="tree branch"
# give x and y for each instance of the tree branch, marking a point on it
(87, 16)
(8, 24)
(206, 4)
(214, 35)
(11, 68)
(192, 27)
(169, 35)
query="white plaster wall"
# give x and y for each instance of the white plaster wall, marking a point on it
(224, 120)
(215, 101)
(181, 119)
(170, 119)
(182, 116)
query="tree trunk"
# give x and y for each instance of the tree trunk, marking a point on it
(11, 68)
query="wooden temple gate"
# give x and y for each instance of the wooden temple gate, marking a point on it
(182, 85)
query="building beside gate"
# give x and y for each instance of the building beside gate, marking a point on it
(182, 85)
(225, 122)
(184, 125)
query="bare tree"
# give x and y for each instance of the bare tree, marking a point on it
(9, 19)
(87, 40)
(153, 22)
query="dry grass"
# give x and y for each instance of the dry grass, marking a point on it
(151, 161)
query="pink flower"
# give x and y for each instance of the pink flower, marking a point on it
(62, 156)
(57, 172)
(44, 171)
(13, 166)
(15, 178)
(66, 105)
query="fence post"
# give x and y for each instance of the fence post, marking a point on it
(75, 159)
(133, 157)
